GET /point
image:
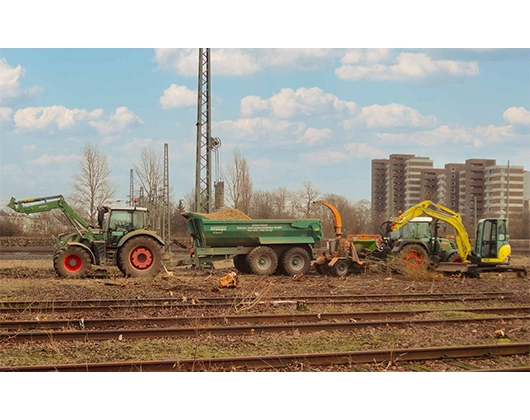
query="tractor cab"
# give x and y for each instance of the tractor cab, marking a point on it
(118, 221)
(491, 242)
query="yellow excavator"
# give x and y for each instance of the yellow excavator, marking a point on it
(490, 254)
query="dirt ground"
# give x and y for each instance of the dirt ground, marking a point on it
(35, 280)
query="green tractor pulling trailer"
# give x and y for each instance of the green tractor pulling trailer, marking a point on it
(122, 239)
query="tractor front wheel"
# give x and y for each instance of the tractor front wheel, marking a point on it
(140, 256)
(71, 262)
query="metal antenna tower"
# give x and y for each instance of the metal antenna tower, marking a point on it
(166, 208)
(203, 175)
(131, 189)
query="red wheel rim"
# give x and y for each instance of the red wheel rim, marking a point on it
(413, 259)
(141, 258)
(72, 263)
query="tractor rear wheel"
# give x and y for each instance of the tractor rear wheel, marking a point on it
(414, 257)
(71, 262)
(140, 256)
(262, 260)
(295, 261)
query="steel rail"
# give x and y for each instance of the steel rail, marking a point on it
(126, 334)
(232, 299)
(81, 323)
(280, 361)
(7, 307)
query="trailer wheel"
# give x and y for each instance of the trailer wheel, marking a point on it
(341, 268)
(140, 256)
(414, 257)
(262, 260)
(295, 261)
(71, 262)
(241, 265)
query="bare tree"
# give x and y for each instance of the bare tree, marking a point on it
(238, 183)
(149, 173)
(92, 187)
(306, 197)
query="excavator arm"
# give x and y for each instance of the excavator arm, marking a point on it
(445, 214)
(44, 204)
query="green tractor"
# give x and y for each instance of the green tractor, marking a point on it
(122, 239)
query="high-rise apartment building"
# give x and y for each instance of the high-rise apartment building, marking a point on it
(413, 168)
(476, 188)
(504, 190)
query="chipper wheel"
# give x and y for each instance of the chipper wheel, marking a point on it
(140, 256)
(262, 260)
(71, 262)
(295, 261)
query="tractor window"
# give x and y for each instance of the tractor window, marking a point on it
(139, 220)
(121, 220)
(423, 230)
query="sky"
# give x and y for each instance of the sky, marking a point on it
(296, 114)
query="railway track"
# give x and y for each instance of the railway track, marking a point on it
(282, 361)
(220, 302)
(87, 324)
(122, 334)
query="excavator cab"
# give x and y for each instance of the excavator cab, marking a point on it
(491, 244)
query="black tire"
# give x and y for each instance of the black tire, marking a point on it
(295, 261)
(322, 268)
(262, 260)
(240, 264)
(71, 262)
(140, 256)
(414, 257)
(340, 268)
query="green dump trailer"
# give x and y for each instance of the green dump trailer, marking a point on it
(257, 246)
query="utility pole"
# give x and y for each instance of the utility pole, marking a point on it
(166, 208)
(205, 142)
(508, 192)
(131, 189)
(203, 202)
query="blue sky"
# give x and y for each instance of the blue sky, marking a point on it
(313, 114)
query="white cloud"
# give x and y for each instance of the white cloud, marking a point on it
(517, 115)
(478, 137)
(367, 55)
(5, 114)
(325, 157)
(302, 102)
(264, 129)
(363, 150)
(138, 144)
(28, 148)
(407, 66)
(349, 152)
(122, 119)
(233, 62)
(392, 115)
(53, 159)
(315, 135)
(245, 62)
(38, 118)
(178, 97)
(10, 82)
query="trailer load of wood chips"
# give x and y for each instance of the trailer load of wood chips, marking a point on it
(226, 214)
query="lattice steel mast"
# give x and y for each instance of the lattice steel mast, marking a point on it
(203, 175)
(166, 208)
